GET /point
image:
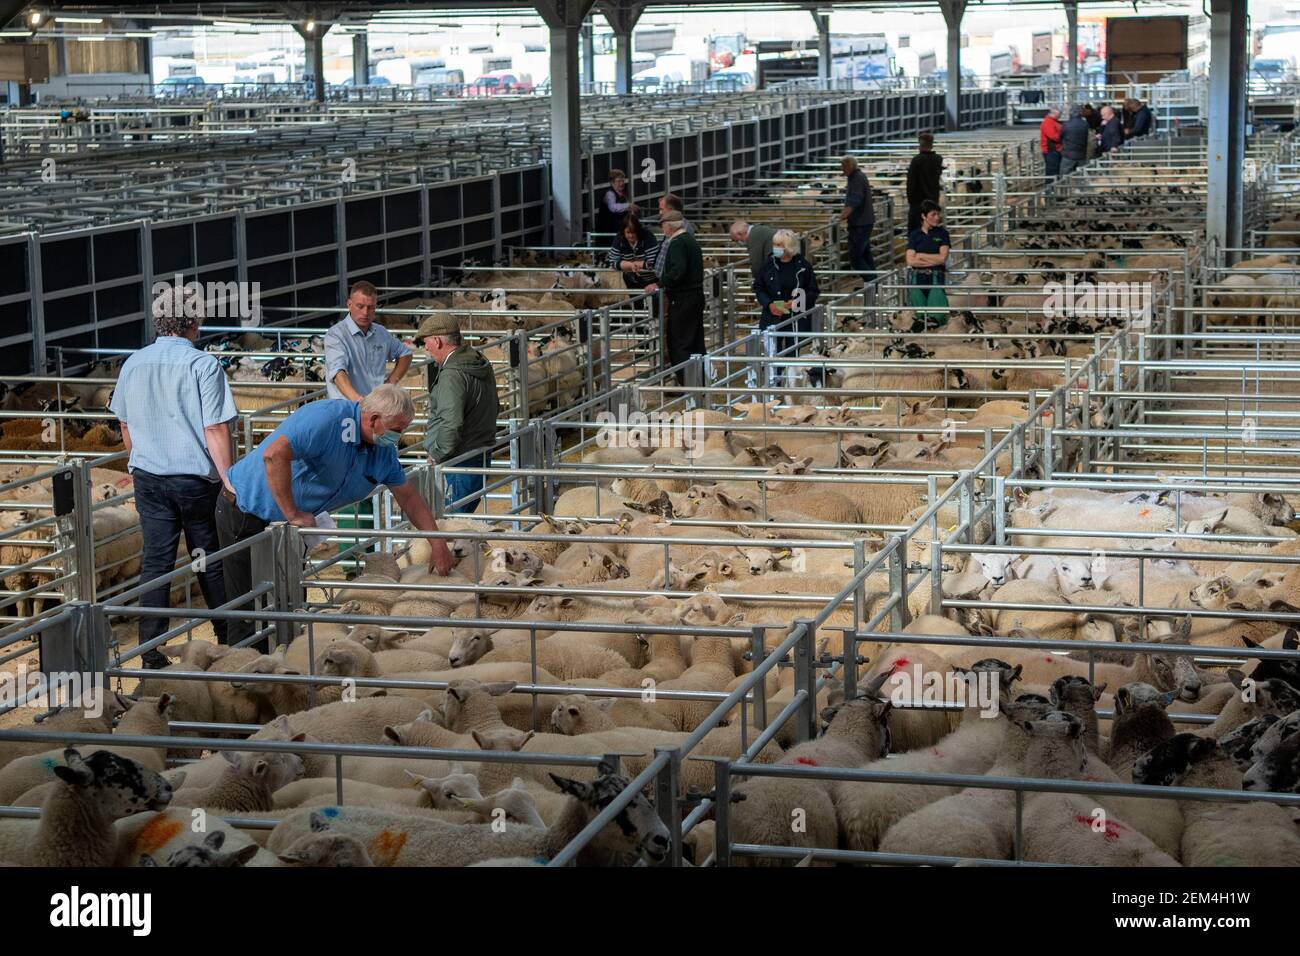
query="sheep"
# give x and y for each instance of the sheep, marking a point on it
(325, 848)
(76, 823)
(402, 839)
(867, 810)
(209, 854)
(1066, 827)
(145, 718)
(980, 822)
(73, 719)
(1278, 770)
(790, 812)
(160, 835)
(576, 714)
(1270, 696)
(1218, 834)
(1140, 723)
(249, 784)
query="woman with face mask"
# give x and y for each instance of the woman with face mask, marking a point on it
(927, 264)
(786, 288)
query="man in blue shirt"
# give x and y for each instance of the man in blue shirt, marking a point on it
(325, 455)
(358, 350)
(175, 406)
(860, 215)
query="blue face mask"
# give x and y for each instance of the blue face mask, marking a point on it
(388, 439)
(777, 252)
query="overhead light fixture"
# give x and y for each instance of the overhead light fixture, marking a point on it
(34, 18)
(311, 26)
(232, 23)
(133, 33)
(90, 39)
(78, 19)
(15, 33)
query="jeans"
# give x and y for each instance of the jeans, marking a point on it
(168, 505)
(233, 526)
(1069, 165)
(928, 291)
(459, 486)
(1052, 163)
(860, 255)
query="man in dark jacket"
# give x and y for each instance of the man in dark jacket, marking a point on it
(1074, 141)
(1138, 121)
(923, 175)
(1112, 133)
(859, 214)
(463, 406)
(681, 277)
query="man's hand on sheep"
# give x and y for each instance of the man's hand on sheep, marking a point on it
(440, 557)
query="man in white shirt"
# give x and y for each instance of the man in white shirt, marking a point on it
(358, 350)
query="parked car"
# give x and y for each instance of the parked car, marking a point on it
(729, 81)
(181, 86)
(500, 81)
(373, 81)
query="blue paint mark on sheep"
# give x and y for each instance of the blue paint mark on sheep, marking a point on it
(330, 811)
(49, 763)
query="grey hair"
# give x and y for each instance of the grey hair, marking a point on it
(787, 238)
(850, 160)
(390, 402)
(453, 338)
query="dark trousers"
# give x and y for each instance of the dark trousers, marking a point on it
(233, 526)
(913, 218)
(168, 505)
(1052, 163)
(861, 258)
(684, 328)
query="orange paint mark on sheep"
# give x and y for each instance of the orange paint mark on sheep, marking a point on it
(156, 834)
(385, 848)
(1144, 512)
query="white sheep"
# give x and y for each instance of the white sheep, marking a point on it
(76, 823)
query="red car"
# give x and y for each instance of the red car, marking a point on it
(498, 82)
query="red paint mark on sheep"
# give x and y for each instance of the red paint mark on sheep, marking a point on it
(386, 847)
(156, 833)
(1113, 827)
(806, 761)
(901, 663)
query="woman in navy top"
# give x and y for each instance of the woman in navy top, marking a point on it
(927, 262)
(633, 253)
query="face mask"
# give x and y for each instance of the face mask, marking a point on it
(778, 252)
(389, 439)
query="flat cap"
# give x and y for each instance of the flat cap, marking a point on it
(444, 323)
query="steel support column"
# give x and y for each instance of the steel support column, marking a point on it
(824, 64)
(953, 11)
(589, 55)
(622, 16)
(1072, 50)
(314, 61)
(1226, 122)
(564, 18)
(361, 59)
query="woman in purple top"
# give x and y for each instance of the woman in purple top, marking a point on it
(615, 204)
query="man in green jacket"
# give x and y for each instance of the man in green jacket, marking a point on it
(757, 240)
(681, 276)
(463, 406)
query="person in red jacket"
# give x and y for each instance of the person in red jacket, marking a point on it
(1049, 141)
